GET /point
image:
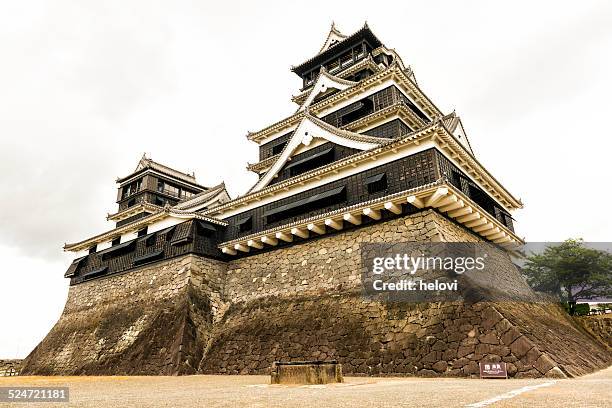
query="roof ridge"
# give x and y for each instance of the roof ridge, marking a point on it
(148, 163)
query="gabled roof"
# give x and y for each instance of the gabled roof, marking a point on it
(324, 82)
(309, 128)
(334, 37)
(452, 123)
(146, 163)
(206, 199)
(363, 34)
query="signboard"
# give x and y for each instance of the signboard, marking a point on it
(493, 370)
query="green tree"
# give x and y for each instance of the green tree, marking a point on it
(571, 271)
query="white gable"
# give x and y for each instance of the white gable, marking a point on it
(309, 129)
(324, 83)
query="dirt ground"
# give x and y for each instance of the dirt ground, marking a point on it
(593, 390)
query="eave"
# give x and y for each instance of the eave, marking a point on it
(134, 210)
(138, 225)
(262, 165)
(398, 109)
(441, 196)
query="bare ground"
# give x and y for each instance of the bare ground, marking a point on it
(593, 390)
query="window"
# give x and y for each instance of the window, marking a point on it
(150, 241)
(143, 232)
(116, 241)
(278, 148)
(245, 224)
(346, 60)
(160, 201)
(357, 111)
(131, 188)
(377, 183)
(359, 51)
(131, 202)
(304, 164)
(333, 66)
(168, 233)
(314, 202)
(167, 188)
(205, 230)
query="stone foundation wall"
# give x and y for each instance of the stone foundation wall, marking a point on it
(373, 338)
(600, 326)
(304, 302)
(151, 320)
(330, 264)
(9, 368)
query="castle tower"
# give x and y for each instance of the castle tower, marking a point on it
(149, 186)
(191, 281)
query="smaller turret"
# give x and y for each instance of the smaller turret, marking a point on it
(149, 186)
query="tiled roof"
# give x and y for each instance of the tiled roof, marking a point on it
(147, 163)
(200, 198)
(364, 31)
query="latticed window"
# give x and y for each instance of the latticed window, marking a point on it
(276, 149)
(245, 224)
(131, 188)
(377, 183)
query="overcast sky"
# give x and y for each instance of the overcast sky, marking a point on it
(87, 86)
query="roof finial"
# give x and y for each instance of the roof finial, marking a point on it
(365, 24)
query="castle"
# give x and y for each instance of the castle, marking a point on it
(192, 281)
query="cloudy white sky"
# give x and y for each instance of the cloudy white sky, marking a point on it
(87, 86)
